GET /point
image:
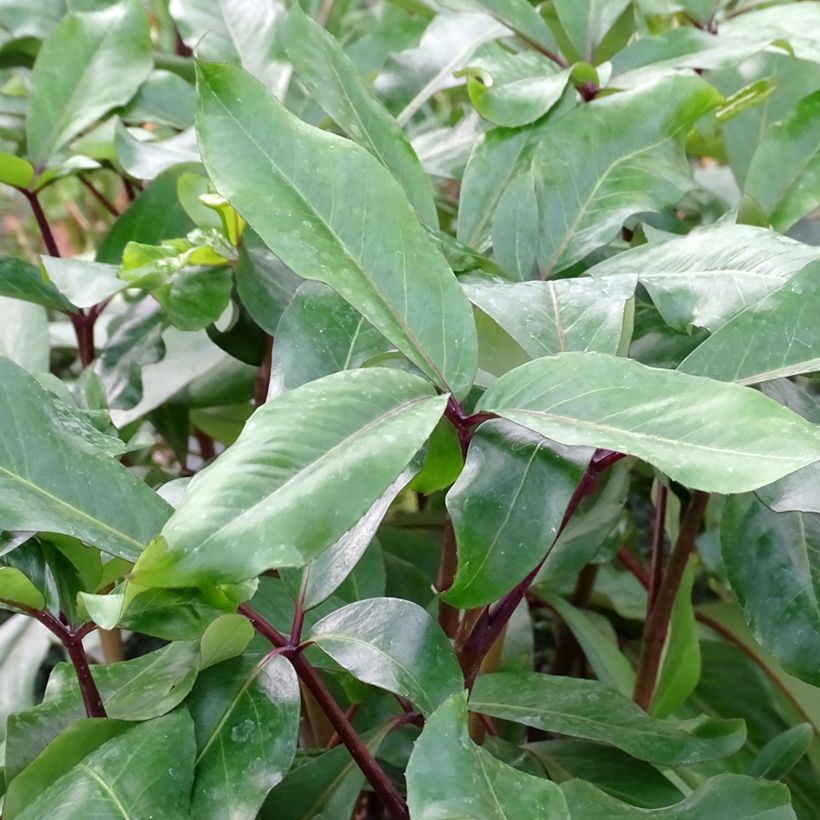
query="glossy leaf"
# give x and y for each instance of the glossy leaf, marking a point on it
(291, 203)
(552, 317)
(19, 280)
(773, 565)
(735, 439)
(395, 645)
(728, 795)
(66, 488)
(246, 715)
(506, 508)
(83, 283)
(334, 82)
(319, 334)
(17, 591)
(450, 776)
(145, 772)
(593, 711)
(635, 138)
(90, 63)
(361, 426)
(711, 274)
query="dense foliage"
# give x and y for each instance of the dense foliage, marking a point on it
(410, 409)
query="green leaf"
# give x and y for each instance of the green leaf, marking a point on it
(449, 776)
(636, 140)
(19, 280)
(727, 795)
(225, 638)
(552, 317)
(24, 334)
(793, 147)
(15, 170)
(593, 711)
(395, 645)
(141, 689)
(711, 274)
(708, 435)
(319, 334)
(287, 180)
(89, 63)
(17, 591)
(506, 508)
(586, 22)
(773, 564)
(335, 84)
(360, 426)
(144, 158)
(611, 770)
(515, 228)
(145, 772)
(514, 89)
(51, 480)
(83, 283)
(680, 662)
(521, 17)
(68, 749)
(246, 714)
(776, 759)
(165, 99)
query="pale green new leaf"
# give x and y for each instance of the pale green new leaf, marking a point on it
(395, 645)
(90, 63)
(50, 480)
(332, 212)
(611, 158)
(449, 776)
(708, 435)
(245, 513)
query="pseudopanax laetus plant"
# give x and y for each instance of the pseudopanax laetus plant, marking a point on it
(410, 409)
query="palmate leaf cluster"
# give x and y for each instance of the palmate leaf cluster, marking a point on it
(410, 409)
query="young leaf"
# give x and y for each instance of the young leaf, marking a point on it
(593, 711)
(144, 772)
(773, 564)
(17, 591)
(91, 62)
(334, 82)
(360, 426)
(51, 480)
(612, 158)
(781, 753)
(395, 645)
(552, 317)
(711, 274)
(727, 795)
(246, 715)
(289, 185)
(708, 435)
(450, 776)
(506, 508)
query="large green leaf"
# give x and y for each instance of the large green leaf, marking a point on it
(89, 63)
(793, 147)
(706, 434)
(245, 513)
(145, 772)
(774, 337)
(299, 188)
(334, 82)
(319, 334)
(614, 157)
(593, 711)
(52, 482)
(19, 280)
(727, 795)
(395, 645)
(711, 274)
(586, 22)
(773, 564)
(552, 317)
(449, 776)
(506, 508)
(246, 714)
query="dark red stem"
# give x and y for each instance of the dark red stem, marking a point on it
(656, 567)
(100, 197)
(381, 783)
(42, 222)
(260, 393)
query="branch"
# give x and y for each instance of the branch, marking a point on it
(657, 619)
(100, 197)
(42, 222)
(381, 783)
(656, 571)
(447, 615)
(260, 392)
